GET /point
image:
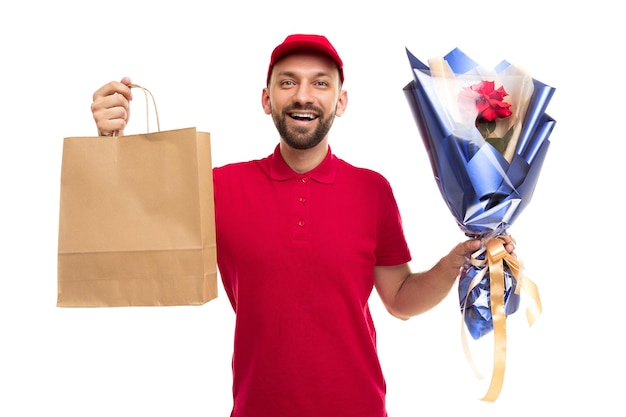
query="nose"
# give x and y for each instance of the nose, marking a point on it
(304, 93)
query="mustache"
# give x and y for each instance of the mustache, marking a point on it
(302, 107)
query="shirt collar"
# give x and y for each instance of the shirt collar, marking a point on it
(323, 173)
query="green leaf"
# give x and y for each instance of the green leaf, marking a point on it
(501, 143)
(498, 143)
(507, 136)
(486, 128)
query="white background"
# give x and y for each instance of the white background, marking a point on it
(206, 64)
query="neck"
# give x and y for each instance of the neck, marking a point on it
(304, 160)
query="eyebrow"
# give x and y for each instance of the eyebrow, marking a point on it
(293, 74)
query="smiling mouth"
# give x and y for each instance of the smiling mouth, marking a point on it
(303, 116)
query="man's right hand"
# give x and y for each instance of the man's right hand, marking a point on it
(110, 107)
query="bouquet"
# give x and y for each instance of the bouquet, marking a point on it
(486, 134)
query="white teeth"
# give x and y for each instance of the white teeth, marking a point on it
(303, 115)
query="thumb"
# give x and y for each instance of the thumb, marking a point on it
(126, 81)
(465, 249)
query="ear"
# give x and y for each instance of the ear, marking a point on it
(342, 103)
(265, 101)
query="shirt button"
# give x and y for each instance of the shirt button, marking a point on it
(302, 199)
(304, 179)
(301, 223)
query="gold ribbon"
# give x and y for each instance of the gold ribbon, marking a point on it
(495, 259)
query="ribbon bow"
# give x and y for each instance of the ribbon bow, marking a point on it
(495, 259)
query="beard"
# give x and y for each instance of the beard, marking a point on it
(302, 137)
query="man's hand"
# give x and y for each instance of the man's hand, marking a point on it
(111, 107)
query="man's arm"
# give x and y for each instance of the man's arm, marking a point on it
(406, 294)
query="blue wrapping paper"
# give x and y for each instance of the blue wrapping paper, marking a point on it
(484, 191)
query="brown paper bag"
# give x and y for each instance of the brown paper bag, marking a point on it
(136, 222)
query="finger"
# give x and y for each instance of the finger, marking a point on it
(473, 245)
(110, 115)
(113, 87)
(467, 248)
(509, 245)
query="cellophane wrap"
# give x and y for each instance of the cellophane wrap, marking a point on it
(485, 188)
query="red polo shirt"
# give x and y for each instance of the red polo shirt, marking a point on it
(296, 253)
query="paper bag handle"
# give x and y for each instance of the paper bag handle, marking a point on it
(146, 92)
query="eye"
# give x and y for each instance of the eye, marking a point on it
(287, 83)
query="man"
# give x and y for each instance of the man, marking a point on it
(303, 237)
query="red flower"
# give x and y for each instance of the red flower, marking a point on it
(488, 101)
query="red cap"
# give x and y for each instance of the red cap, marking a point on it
(305, 42)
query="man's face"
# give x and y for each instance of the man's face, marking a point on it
(303, 97)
